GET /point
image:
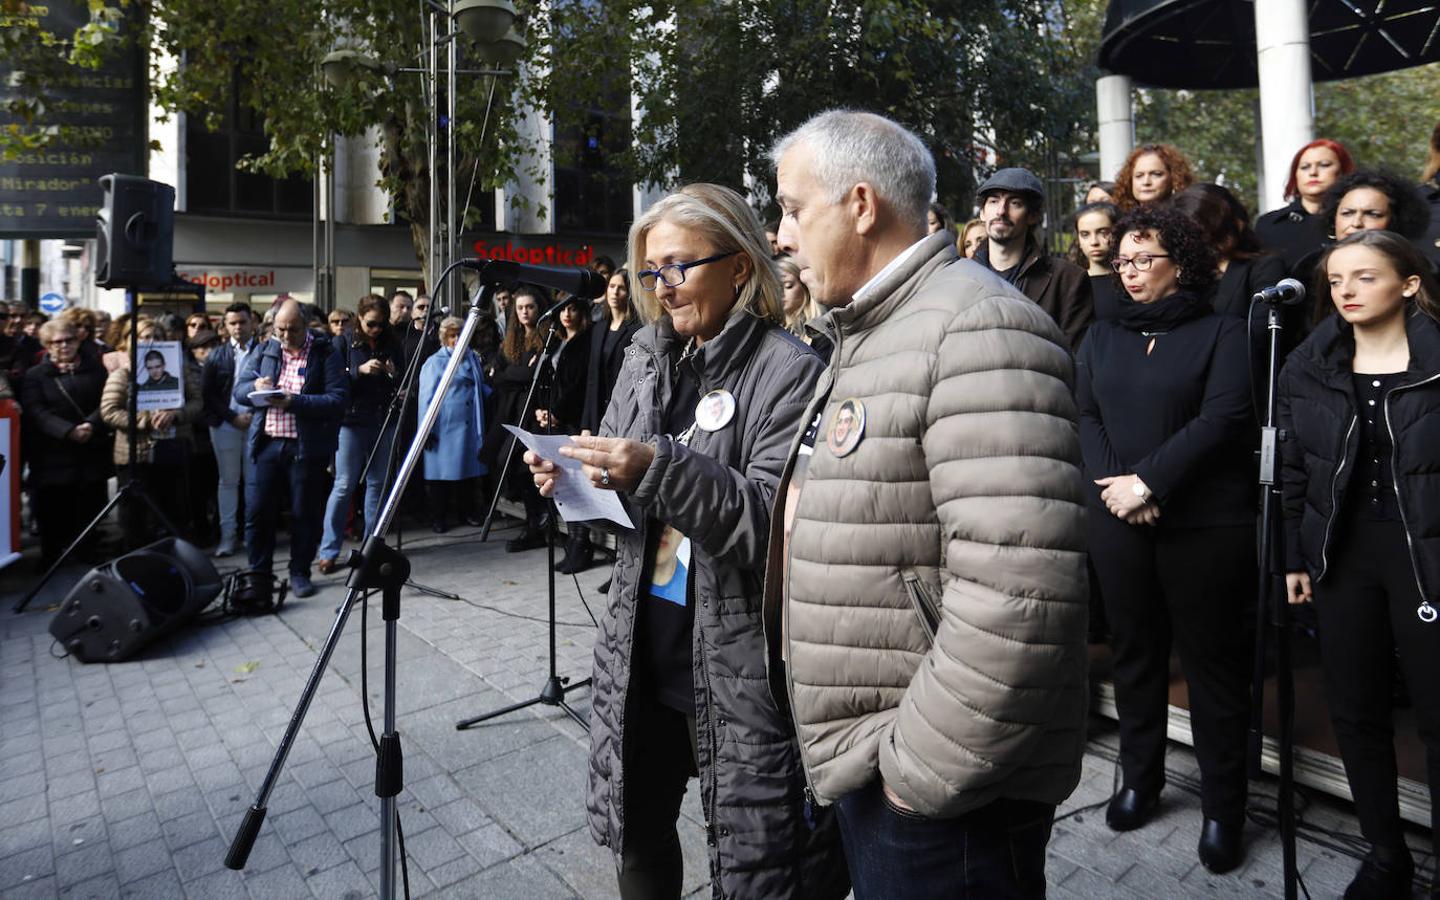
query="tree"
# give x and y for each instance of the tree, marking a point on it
(985, 82)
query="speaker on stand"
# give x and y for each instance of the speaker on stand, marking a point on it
(123, 605)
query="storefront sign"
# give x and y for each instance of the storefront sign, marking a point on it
(52, 192)
(541, 255)
(249, 279)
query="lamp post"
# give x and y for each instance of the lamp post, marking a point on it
(491, 25)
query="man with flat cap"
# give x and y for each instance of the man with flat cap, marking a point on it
(1012, 205)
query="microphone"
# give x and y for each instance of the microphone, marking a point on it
(580, 282)
(1286, 292)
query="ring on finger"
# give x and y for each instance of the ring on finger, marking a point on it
(604, 475)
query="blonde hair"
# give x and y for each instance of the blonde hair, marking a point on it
(450, 323)
(727, 221)
(808, 310)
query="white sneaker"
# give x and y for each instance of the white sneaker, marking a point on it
(226, 548)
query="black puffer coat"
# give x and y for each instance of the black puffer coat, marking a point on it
(1320, 437)
(718, 491)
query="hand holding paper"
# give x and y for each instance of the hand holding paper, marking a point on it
(575, 497)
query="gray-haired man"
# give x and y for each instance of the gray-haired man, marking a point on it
(925, 601)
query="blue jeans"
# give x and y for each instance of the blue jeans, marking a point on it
(354, 449)
(996, 851)
(276, 468)
(232, 458)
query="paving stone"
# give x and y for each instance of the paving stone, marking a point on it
(85, 863)
(284, 882)
(101, 887)
(161, 886)
(136, 830)
(344, 882)
(27, 865)
(142, 861)
(221, 885)
(316, 854)
(200, 859)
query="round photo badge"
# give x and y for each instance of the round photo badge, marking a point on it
(715, 410)
(846, 428)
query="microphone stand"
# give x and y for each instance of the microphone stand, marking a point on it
(1273, 612)
(510, 444)
(553, 692)
(376, 566)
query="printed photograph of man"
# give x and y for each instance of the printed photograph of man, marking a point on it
(156, 376)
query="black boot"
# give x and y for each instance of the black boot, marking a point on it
(579, 553)
(437, 499)
(1220, 846)
(535, 523)
(1385, 874)
(1130, 809)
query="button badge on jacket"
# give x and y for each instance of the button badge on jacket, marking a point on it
(715, 410)
(847, 428)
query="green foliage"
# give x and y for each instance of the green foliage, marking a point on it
(1384, 120)
(718, 82)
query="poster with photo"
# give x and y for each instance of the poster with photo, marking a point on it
(159, 381)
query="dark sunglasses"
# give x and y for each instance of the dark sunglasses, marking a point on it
(373, 323)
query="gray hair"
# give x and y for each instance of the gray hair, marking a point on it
(729, 224)
(852, 146)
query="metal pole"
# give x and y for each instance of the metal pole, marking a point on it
(1287, 115)
(433, 112)
(328, 303)
(451, 238)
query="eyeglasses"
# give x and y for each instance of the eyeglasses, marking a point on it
(373, 323)
(55, 342)
(339, 320)
(1141, 261)
(673, 275)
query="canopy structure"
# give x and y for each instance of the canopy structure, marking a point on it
(1210, 44)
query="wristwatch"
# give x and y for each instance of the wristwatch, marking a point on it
(1141, 491)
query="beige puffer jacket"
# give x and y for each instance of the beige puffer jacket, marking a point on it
(961, 504)
(115, 410)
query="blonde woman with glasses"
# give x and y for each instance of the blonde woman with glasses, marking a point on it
(707, 403)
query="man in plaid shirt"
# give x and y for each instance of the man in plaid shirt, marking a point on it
(293, 437)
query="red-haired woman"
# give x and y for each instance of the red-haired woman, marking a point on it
(1297, 229)
(1151, 174)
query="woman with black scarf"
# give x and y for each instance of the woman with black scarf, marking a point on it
(1167, 431)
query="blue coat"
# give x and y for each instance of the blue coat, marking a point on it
(318, 407)
(453, 451)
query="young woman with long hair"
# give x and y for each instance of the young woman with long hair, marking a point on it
(1359, 406)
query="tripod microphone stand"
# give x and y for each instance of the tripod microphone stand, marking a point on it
(553, 692)
(132, 488)
(1273, 613)
(376, 566)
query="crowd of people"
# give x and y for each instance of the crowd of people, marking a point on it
(878, 459)
(340, 395)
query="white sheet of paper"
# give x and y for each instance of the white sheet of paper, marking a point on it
(575, 497)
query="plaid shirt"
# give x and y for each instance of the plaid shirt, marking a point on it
(280, 423)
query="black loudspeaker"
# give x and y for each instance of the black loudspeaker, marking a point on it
(123, 605)
(135, 233)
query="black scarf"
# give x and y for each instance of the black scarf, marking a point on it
(1162, 315)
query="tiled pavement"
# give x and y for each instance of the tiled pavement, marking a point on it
(128, 780)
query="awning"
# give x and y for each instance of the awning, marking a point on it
(1210, 44)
